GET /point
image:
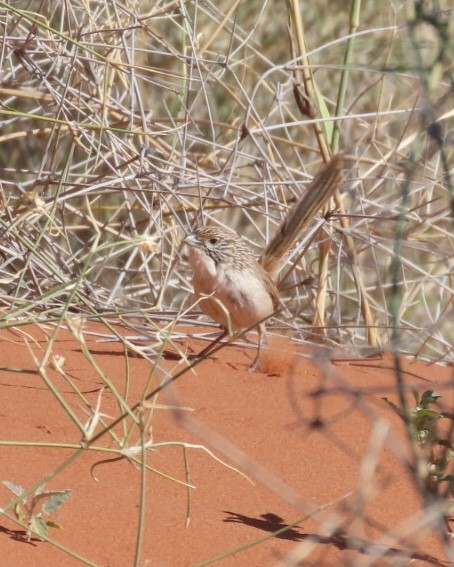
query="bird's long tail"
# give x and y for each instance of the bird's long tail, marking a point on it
(320, 190)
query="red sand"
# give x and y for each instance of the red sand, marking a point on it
(296, 429)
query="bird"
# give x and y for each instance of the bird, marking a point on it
(230, 284)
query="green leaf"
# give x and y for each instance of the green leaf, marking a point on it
(53, 524)
(16, 489)
(429, 397)
(328, 125)
(18, 511)
(55, 500)
(421, 412)
(38, 526)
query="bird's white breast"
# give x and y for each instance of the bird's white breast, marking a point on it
(239, 297)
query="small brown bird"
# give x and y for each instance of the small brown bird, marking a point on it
(232, 287)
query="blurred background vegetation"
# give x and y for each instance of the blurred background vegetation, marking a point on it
(124, 123)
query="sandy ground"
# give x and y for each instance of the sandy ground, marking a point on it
(314, 441)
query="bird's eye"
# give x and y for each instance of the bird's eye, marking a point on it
(213, 241)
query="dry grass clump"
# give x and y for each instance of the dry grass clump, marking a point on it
(122, 124)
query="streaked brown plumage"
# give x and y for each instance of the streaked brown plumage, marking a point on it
(240, 292)
(233, 288)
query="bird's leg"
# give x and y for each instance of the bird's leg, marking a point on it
(255, 364)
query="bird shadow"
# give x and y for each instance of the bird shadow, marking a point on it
(267, 522)
(340, 539)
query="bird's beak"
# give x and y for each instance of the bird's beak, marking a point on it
(192, 240)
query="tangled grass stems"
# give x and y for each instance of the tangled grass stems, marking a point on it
(122, 126)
